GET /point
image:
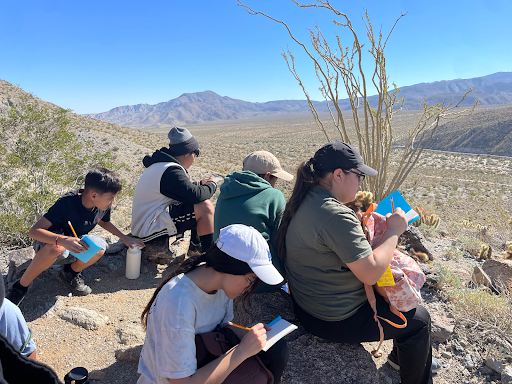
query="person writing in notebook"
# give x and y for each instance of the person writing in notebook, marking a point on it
(196, 298)
(54, 238)
(328, 260)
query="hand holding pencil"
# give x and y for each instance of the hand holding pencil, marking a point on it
(396, 221)
(254, 340)
(74, 244)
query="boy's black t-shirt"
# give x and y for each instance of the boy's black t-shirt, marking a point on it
(69, 207)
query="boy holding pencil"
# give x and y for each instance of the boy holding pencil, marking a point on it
(59, 231)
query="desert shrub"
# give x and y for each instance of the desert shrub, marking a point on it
(478, 309)
(453, 253)
(40, 159)
(428, 231)
(469, 244)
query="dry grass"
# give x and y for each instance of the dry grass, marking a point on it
(480, 312)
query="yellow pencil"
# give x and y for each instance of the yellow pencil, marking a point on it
(73, 229)
(392, 206)
(238, 326)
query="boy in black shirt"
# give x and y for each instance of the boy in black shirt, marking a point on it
(53, 237)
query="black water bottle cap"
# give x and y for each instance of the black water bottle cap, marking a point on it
(79, 375)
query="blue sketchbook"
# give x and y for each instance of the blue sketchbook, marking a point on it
(384, 207)
(85, 256)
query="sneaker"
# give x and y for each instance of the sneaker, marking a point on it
(393, 362)
(15, 295)
(436, 365)
(74, 282)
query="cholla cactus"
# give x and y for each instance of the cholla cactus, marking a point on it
(365, 198)
(467, 224)
(485, 252)
(431, 220)
(508, 251)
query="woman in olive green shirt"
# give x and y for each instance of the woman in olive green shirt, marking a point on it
(328, 260)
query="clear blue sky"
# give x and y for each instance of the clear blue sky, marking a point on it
(91, 55)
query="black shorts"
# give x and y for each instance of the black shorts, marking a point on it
(183, 216)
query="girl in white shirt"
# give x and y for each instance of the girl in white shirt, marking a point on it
(195, 299)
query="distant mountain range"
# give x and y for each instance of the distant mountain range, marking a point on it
(485, 131)
(199, 107)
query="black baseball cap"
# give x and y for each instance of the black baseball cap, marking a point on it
(338, 154)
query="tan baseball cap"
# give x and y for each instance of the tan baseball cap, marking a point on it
(261, 162)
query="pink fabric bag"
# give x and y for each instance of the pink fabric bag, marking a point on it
(409, 278)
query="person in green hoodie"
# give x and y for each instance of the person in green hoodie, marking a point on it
(249, 198)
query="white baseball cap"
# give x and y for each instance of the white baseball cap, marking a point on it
(247, 244)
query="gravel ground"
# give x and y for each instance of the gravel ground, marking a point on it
(63, 345)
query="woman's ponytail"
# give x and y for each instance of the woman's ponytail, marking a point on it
(307, 178)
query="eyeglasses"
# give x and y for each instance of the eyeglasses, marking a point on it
(248, 280)
(360, 176)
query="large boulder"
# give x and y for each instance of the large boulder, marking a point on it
(18, 261)
(412, 238)
(312, 360)
(500, 272)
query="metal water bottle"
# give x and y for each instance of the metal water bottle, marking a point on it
(133, 256)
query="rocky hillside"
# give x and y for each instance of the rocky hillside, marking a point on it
(194, 108)
(127, 144)
(485, 132)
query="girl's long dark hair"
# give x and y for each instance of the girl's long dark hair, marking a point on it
(214, 258)
(307, 178)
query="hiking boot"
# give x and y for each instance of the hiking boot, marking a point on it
(15, 295)
(75, 282)
(393, 362)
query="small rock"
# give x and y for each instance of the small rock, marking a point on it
(115, 247)
(506, 375)
(97, 375)
(129, 354)
(494, 365)
(84, 318)
(130, 334)
(480, 277)
(54, 308)
(486, 371)
(442, 327)
(446, 355)
(469, 362)
(145, 269)
(443, 232)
